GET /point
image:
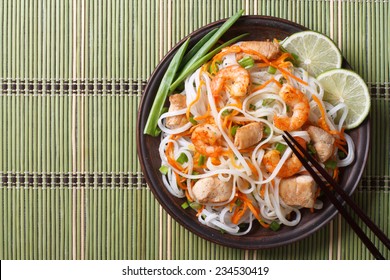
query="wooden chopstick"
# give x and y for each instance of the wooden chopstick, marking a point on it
(336, 202)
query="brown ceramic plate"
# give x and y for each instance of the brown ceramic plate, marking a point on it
(260, 28)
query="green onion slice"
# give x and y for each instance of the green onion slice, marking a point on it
(280, 147)
(246, 62)
(182, 158)
(164, 169)
(275, 226)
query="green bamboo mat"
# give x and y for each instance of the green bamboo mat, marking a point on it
(71, 77)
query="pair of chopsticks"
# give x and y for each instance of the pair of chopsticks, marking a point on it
(305, 158)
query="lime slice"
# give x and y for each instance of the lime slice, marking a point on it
(345, 86)
(316, 52)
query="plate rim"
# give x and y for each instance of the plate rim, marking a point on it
(328, 213)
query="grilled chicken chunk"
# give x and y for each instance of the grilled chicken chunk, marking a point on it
(212, 190)
(248, 135)
(298, 191)
(177, 102)
(323, 142)
(268, 49)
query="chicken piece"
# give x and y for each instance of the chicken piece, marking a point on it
(268, 49)
(248, 135)
(177, 102)
(323, 142)
(298, 191)
(212, 190)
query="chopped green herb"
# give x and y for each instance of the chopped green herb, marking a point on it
(195, 205)
(271, 70)
(163, 90)
(252, 107)
(222, 231)
(246, 62)
(226, 113)
(193, 121)
(185, 205)
(163, 169)
(331, 164)
(275, 226)
(182, 158)
(280, 147)
(233, 130)
(195, 173)
(311, 149)
(213, 68)
(287, 108)
(268, 101)
(201, 160)
(238, 202)
(341, 154)
(266, 130)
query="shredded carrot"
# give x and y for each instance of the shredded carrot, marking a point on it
(289, 74)
(195, 100)
(180, 181)
(252, 167)
(267, 83)
(238, 213)
(189, 198)
(225, 51)
(336, 174)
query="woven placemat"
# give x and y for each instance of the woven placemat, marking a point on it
(71, 77)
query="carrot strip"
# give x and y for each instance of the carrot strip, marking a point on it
(267, 83)
(195, 100)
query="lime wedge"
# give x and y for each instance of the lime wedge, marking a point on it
(316, 52)
(345, 86)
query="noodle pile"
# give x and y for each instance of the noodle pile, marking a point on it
(255, 191)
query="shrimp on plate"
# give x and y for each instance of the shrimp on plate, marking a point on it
(298, 104)
(234, 79)
(207, 140)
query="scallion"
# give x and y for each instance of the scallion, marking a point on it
(280, 147)
(233, 130)
(331, 164)
(164, 169)
(193, 121)
(226, 113)
(201, 160)
(271, 70)
(201, 55)
(162, 92)
(252, 107)
(275, 226)
(311, 149)
(341, 154)
(267, 101)
(197, 47)
(185, 205)
(195, 205)
(246, 62)
(287, 108)
(267, 130)
(184, 74)
(182, 158)
(238, 202)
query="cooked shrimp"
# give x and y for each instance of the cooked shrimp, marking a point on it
(299, 105)
(270, 50)
(289, 168)
(233, 79)
(207, 140)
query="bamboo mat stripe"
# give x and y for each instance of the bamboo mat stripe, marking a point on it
(72, 73)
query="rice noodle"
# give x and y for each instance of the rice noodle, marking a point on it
(245, 170)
